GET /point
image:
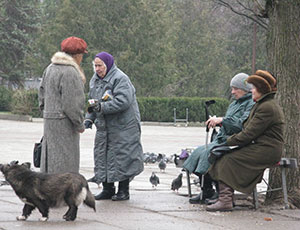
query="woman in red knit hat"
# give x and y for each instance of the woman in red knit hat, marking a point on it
(62, 100)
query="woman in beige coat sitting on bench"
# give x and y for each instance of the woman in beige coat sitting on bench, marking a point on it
(260, 144)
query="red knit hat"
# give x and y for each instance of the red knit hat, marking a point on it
(73, 45)
(263, 81)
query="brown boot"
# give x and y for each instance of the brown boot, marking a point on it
(224, 202)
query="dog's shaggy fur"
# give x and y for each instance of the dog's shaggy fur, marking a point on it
(44, 191)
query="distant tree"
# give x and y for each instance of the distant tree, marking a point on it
(199, 50)
(167, 47)
(135, 32)
(211, 47)
(19, 20)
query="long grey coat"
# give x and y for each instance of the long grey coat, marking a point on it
(262, 144)
(62, 100)
(117, 148)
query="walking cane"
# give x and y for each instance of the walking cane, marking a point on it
(207, 104)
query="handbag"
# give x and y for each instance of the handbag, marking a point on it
(37, 152)
(218, 151)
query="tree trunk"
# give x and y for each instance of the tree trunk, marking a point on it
(283, 47)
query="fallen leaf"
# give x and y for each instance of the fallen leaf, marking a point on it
(268, 219)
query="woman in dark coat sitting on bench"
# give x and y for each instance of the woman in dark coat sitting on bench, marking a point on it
(260, 144)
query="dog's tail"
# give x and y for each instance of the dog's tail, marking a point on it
(90, 200)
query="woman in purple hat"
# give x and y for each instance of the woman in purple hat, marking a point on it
(115, 113)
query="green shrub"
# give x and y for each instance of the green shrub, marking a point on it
(5, 99)
(25, 102)
(162, 109)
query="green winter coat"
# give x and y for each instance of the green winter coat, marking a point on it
(261, 142)
(237, 112)
(118, 153)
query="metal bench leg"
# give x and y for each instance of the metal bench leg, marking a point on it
(255, 198)
(201, 186)
(188, 182)
(284, 189)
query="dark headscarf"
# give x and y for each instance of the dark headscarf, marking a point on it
(107, 58)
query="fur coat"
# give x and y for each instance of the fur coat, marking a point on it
(62, 100)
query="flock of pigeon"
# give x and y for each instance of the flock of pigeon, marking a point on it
(162, 164)
(152, 158)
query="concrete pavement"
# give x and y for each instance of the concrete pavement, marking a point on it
(148, 208)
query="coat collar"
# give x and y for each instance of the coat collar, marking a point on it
(245, 97)
(111, 72)
(266, 96)
(62, 58)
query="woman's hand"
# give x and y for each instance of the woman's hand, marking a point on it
(214, 121)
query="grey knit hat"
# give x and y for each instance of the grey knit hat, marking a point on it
(239, 81)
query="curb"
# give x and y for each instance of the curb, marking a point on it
(16, 117)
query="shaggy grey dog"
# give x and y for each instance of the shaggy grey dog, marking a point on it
(44, 191)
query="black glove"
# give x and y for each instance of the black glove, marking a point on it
(90, 109)
(88, 124)
(94, 106)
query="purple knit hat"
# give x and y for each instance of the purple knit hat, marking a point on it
(107, 58)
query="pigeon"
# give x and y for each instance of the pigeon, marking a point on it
(162, 165)
(146, 158)
(154, 180)
(159, 157)
(153, 158)
(177, 183)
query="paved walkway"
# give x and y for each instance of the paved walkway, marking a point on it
(148, 208)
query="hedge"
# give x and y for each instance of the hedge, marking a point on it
(25, 102)
(158, 109)
(5, 98)
(162, 109)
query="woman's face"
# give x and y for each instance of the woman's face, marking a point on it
(100, 67)
(255, 94)
(237, 93)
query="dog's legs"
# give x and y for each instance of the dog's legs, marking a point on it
(44, 210)
(67, 213)
(27, 209)
(71, 214)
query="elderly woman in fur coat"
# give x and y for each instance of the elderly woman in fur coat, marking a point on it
(62, 100)
(260, 144)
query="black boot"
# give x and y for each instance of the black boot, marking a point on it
(212, 199)
(207, 193)
(123, 191)
(215, 197)
(107, 192)
(208, 190)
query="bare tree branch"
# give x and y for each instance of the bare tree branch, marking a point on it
(254, 18)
